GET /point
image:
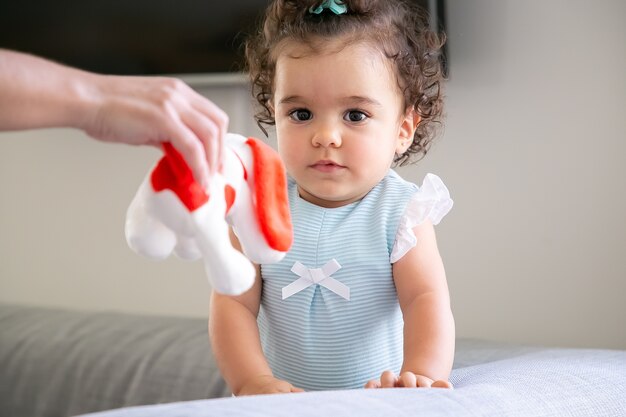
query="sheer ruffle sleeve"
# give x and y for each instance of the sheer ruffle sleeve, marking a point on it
(432, 201)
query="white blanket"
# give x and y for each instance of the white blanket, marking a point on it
(551, 382)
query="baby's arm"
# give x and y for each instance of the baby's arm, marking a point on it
(420, 280)
(236, 343)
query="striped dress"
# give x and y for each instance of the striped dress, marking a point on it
(316, 338)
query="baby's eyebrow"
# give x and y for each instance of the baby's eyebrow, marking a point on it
(351, 100)
(361, 100)
(291, 99)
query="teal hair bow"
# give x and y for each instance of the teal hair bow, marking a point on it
(335, 6)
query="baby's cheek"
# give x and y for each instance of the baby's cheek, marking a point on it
(292, 157)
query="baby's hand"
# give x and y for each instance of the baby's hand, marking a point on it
(406, 380)
(266, 384)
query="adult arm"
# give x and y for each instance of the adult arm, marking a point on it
(37, 93)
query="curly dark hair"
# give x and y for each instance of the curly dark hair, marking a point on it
(400, 30)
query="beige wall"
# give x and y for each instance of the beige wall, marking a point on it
(533, 152)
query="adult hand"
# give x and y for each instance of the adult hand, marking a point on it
(266, 384)
(38, 93)
(406, 380)
(152, 110)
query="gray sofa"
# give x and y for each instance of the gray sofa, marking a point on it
(64, 363)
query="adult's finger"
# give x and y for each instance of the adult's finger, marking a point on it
(208, 134)
(192, 150)
(212, 112)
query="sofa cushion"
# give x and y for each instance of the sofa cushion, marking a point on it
(61, 363)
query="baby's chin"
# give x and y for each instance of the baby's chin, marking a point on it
(329, 198)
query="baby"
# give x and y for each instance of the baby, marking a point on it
(361, 299)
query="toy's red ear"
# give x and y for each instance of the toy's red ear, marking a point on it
(173, 173)
(270, 193)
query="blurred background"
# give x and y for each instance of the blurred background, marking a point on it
(533, 152)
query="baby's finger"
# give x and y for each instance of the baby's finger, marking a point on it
(407, 380)
(423, 382)
(388, 379)
(296, 389)
(442, 384)
(372, 383)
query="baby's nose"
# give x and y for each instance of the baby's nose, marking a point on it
(327, 136)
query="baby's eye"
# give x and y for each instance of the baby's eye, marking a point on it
(355, 116)
(300, 115)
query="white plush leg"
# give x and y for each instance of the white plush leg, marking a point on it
(228, 270)
(145, 234)
(187, 248)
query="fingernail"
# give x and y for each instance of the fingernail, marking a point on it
(205, 182)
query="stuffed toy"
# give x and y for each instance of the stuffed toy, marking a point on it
(171, 212)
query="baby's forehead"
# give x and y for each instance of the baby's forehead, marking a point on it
(363, 51)
(331, 77)
(315, 46)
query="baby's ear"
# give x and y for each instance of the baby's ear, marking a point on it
(270, 106)
(408, 125)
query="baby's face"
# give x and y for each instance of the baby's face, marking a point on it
(339, 121)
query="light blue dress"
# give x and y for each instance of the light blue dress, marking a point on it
(329, 316)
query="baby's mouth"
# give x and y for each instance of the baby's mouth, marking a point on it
(325, 165)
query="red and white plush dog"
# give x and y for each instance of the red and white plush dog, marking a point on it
(173, 213)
